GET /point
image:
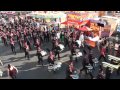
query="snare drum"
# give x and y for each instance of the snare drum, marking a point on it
(43, 53)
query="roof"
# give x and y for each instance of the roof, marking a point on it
(110, 17)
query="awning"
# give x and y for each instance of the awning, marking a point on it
(84, 28)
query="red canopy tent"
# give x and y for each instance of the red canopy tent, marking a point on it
(86, 22)
(84, 28)
(71, 22)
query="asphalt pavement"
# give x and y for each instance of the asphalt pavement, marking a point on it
(29, 69)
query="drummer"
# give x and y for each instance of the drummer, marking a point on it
(73, 47)
(40, 59)
(85, 62)
(57, 50)
(70, 70)
(51, 58)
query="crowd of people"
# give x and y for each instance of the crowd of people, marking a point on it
(28, 35)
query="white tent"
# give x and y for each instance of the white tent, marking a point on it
(47, 15)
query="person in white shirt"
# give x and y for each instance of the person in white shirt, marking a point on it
(81, 38)
(58, 35)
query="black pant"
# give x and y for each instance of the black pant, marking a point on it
(13, 76)
(53, 46)
(57, 53)
(20, 45)
(84, 68)
(5, 42)
(50, 61)
(108, 76)
(101, 56)
(27, 54)
(73, 52)
(29, 45)
(41, 39)
(13, 48)
(67, 44)
(45, 39)
(40, 60)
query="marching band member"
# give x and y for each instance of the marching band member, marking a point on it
(27, 39)
(51, 58)
(101, 74)
(20, 43)
(81, 38)
(108, 73)
(62, 37)
(12, 71)
(38, 44)
(26, 47)
(116, 48)
(90, 56)
(12, 43)
(118, 52)
(40, 59)
(57, 50)
(70, 70)
(4, 37)
(73, 47)
(48, 36)
(102, 54)
(53, 43)
(66, 40)
(85, 61)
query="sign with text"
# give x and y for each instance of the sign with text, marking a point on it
(81, 17)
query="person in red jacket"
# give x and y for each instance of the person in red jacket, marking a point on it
(26, 48)
(12, 71)
(51, 58)
(37, 42)
(103, 54)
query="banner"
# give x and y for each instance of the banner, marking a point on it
(82, 16)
